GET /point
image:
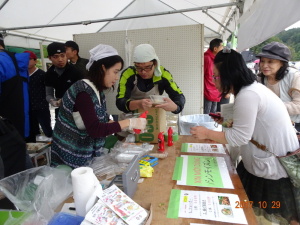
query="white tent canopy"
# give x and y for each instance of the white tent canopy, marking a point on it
(263, 19)
(28, 22)
(38, 20)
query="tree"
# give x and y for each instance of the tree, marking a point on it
(257, 49)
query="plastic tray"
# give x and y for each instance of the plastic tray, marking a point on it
(157, 99)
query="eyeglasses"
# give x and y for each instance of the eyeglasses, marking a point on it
(146, 69)
(215, 77)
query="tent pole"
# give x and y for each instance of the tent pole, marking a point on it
(3, 4)
(116, 16)
(124, 17)
(46, 39)
(204, 11)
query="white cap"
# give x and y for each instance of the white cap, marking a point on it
(99, 52)
(146, 53)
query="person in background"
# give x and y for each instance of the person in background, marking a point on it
(39, 107)
(72, 53)
(14, 107)
(223, 100)
(14, 98)
(283, 80)
(147, 77)
(60, 76)
(83, 122)
(259, 119)
(211, 94)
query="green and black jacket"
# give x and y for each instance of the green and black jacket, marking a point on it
(165, 83)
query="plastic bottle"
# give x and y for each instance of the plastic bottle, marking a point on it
(161, 142)
(143, 115)
(170, 136)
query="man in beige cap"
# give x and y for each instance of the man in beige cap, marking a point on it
(147, 77)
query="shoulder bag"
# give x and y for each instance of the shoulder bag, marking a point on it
(290, 162)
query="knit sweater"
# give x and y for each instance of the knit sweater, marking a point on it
(73, 146)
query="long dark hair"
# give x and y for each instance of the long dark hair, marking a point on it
(96, 73)
(234, 74)
(280, 73)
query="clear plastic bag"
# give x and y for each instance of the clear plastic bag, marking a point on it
(188, 121)
(124, 152)
(38, 190)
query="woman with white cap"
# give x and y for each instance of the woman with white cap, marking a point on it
(147, 77)
(83, 122)
(283, 80)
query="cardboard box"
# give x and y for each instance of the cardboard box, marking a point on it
(156, 122)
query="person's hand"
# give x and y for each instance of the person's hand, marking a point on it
(137, 123)
(169, 105)
(145, 104)
(199, 132)
(227, 96)
(55, 103)
(217, 120)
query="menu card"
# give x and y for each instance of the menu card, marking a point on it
(202, 171)
(202, 148)
(206, 205)
(227, 114)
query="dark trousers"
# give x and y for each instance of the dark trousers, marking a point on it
(39, 117)
(209, 106)
(222, 101)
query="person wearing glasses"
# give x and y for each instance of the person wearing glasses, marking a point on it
(260, 121)
(147, 77)
(60, 76)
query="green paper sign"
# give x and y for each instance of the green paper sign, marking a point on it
(203, 171)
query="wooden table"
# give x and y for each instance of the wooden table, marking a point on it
(157, 189)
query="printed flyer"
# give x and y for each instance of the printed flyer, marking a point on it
(202, 171)
(202, 148)
(127, 209)
(206, 205)
(101, 214)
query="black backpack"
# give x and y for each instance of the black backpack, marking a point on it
(12, 149)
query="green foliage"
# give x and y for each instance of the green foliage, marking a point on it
(290, 38)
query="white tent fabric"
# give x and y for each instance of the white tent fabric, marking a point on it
(27, 13)
(264, 19)
(261, 19)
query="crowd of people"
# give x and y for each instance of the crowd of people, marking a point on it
(266, 110)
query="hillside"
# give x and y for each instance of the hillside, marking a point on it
(291, 38)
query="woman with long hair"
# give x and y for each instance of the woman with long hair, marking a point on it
(259, 119)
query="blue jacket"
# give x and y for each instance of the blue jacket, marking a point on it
(14, 96)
